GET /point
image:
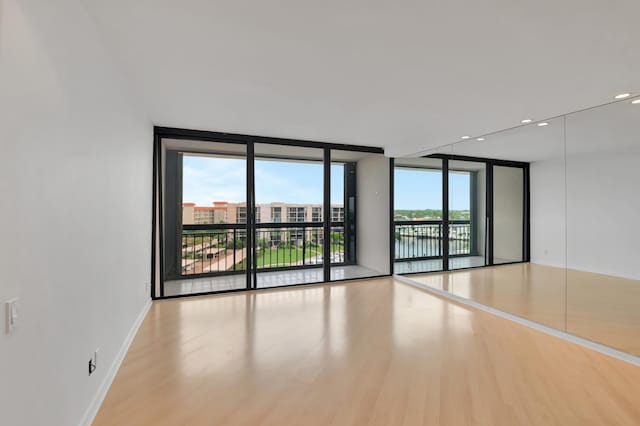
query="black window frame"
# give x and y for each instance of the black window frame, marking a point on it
(161, 133)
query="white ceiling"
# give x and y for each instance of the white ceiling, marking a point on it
(404, 75)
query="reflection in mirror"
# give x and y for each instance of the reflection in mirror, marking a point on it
(581, 272)
(467, 183)
(603, 275)
(417, 215)
(509, 204)
(534, 290)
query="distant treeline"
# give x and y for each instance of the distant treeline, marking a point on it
(431, 213)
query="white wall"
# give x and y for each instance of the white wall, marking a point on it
(589, 226)
(547, 199)
(75, 179)
(603, 203)
(373, 213)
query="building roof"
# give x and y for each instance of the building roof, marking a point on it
(210, 208)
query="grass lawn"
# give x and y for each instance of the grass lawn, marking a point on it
(284, 256)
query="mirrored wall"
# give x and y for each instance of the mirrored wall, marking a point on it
(583, 276)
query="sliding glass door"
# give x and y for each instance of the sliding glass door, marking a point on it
(289, 215)
(205, 217)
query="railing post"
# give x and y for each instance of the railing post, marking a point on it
(304, 244)
(234, 247)
(440, 245)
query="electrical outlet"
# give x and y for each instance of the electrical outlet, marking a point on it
(11, 315)
(93, 361)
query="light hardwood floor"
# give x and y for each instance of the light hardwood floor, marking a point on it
(375, 352)
(598, 307)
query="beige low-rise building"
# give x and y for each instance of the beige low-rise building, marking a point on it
(225, 212)
(193, 214)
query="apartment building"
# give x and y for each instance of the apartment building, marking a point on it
(226, 212)
(199, 215)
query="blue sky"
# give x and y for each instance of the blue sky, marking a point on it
(422, 189)
(208, 179)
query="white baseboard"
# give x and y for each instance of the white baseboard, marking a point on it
(606, 350)
(93, 408)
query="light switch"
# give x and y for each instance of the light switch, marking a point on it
(11, 309)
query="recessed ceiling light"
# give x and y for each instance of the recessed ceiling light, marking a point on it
(622, 96)
(526, 120)
(635, 101)
(465, 137)
(544, 123)
(480, 139)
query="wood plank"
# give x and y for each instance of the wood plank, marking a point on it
(372, 352)
(601, 308)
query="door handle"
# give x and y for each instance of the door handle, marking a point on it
(486, 241)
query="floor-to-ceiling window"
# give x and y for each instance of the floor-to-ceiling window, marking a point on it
(237, 214)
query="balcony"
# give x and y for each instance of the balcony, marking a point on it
(292, 253)
(212, 248)
(418, 245)
(222, 248)
(214, 257)
(417, 240)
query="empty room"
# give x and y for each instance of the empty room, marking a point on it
(319, 213)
